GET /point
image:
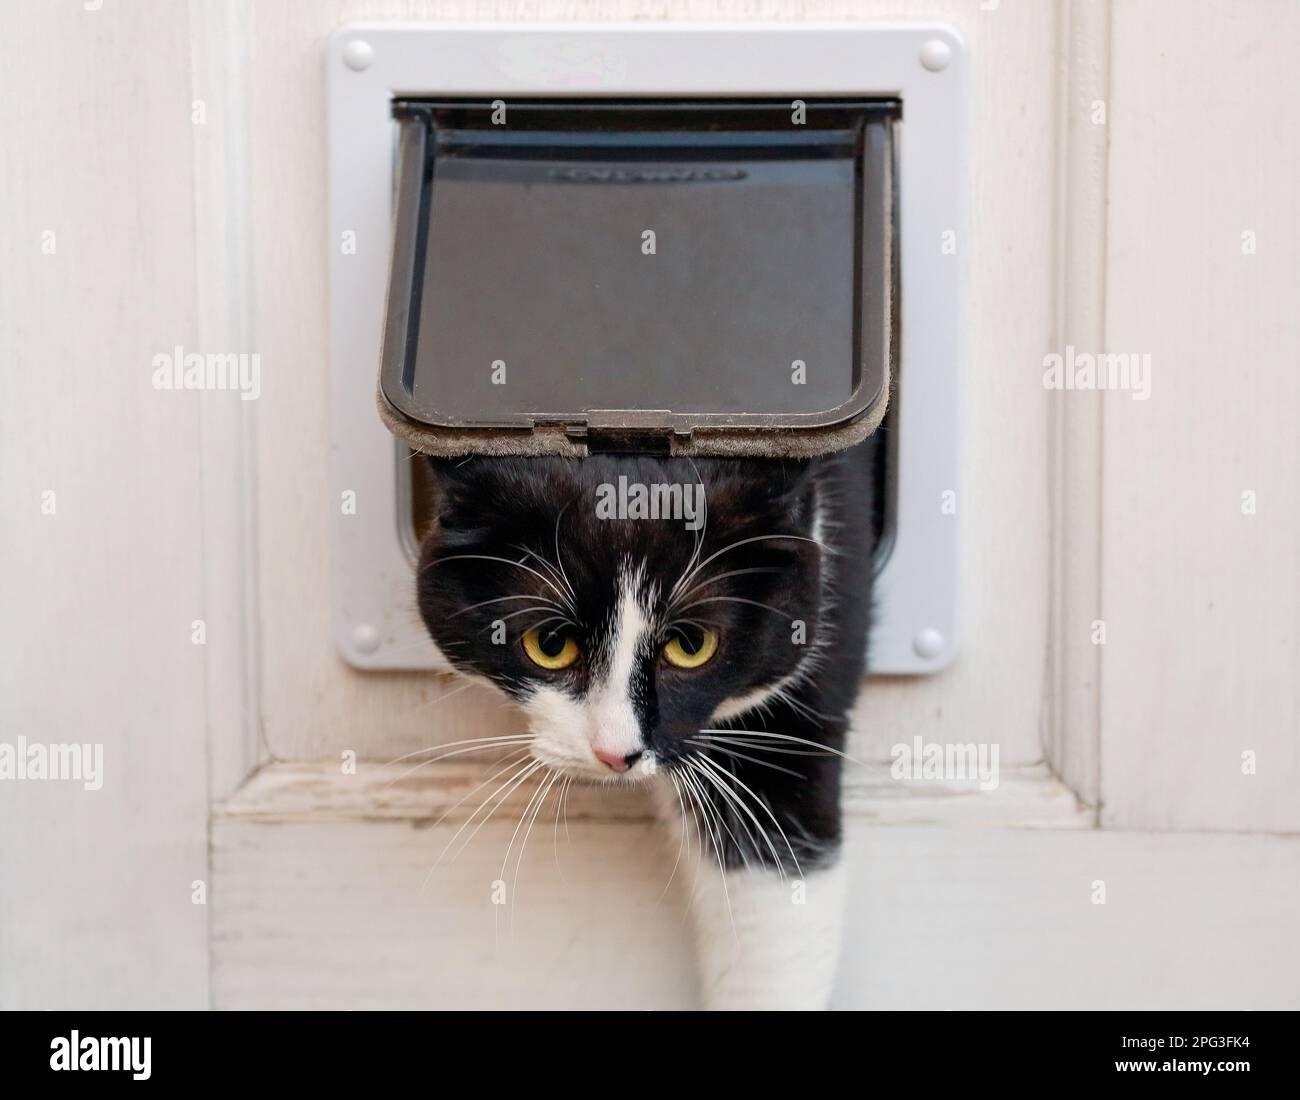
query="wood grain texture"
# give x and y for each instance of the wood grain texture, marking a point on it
(951, 919)
(1203, 601)
(95, 908)
(452, 790)
(1072, 734)
(357, 916)
(226, 290)
(351, 916)
(173, 507)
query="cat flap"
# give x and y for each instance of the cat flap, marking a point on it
(679, 277)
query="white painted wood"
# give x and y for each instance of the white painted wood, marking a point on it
(95, 637)
(1201, 601)
(338, 916)
(420, 791)
(1072, 735)
(167, 234)
(950, 919)
(226, 291)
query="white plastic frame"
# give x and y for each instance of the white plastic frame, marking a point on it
(916, 627)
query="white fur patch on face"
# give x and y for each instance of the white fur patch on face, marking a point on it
(759, 697)
(737, 705)
(579, 734)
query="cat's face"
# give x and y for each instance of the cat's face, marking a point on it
(622, 638)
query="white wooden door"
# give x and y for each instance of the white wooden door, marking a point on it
(1134, 167)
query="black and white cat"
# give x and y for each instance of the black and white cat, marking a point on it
(717, 659)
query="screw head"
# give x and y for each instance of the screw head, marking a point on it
(936, 54)
(358, 54)
(365, 638)
(928, 643)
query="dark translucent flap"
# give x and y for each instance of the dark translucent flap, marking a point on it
(657, 268)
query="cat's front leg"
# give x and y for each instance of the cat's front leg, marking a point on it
(766, 937)
(764, 830)
(768, 942)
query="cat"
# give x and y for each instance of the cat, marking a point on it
(716, 660)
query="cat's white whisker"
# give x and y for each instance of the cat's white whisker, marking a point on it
(727, 576)
(441, 698)
(560, 800)
(527, 611)
(690, 825)
(502, 599)
(681, 842)
(700, 850)
(700, 535)
(702, 623)
(503, 561)
(706, 809)
(484, 741)
(559, 558)
(505, 863)
(716, 777)
(724, 812)
(517, 762)
(513, 762)
(751, 735)
(766, 809)
(447, 756)
(571, 597)
(733, 546)
(504, 791)
(731, 770)
(742, 756)
(753, 743)
(541, 801)
(739, 599)
(784, 694)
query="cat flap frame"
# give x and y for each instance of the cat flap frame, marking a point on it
(525, 314)
(924, 66)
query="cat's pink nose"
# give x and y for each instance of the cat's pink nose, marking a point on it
(616, 761)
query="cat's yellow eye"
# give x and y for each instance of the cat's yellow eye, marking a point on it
(692, 652)
(552, 651)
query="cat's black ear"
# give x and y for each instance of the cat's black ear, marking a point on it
(796, 492)
(770, 494)
(786, 486)
(441, 470)
(796, 477)
(449, 483)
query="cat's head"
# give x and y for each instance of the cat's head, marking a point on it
(620, 634)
